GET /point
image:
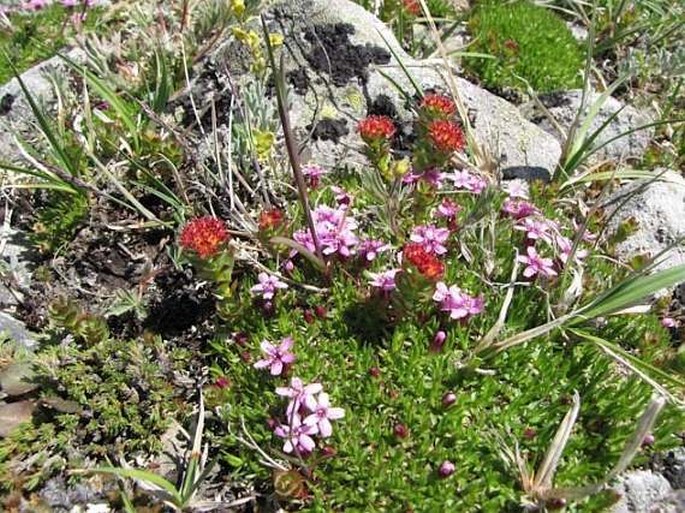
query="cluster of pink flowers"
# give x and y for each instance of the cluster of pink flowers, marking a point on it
(335, 230)
(369, 249)
(309, 413)
(468, 181)
(431, 238)
(37, 5)
(456, 302)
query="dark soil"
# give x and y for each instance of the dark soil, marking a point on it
(299, 79)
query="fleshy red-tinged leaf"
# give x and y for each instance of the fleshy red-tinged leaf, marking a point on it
(13, 414)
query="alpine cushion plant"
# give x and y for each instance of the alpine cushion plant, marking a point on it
(407, 304)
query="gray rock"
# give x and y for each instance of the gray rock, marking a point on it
(16, 117)
(16, 330)
(15, 251)
(642, 491)
(340, 60)
(563, 106)
(658, 208)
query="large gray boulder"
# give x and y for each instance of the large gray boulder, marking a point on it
(657, 207)
(643, 491)
(342, 63)
(563, 107)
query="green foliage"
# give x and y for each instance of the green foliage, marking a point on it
(32, 38)
(526, 42)
(106, 396)
(57, 221)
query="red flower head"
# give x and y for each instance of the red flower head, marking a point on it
(270, 219)
(446, 136)
(204, 236)
(413, 7)
(375, 128)
(427, 264)
(438, 104)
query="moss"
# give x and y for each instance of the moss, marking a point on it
(526, 42)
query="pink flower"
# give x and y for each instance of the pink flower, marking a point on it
(299, 394)
(516, 189)
(446, 469)
(448, 209)
(322, 414)
(298, 436)
(565, 245)
(342, 197)
(313, 174)
(267, 286)
(432, 177)
(459, 304)
(369, 249)
(535, 264)
(384, 280)
(669, 322)
(276, 357)
(519, 209)
(35, 5)
(468, 181)
(432, 239)
(535, 229)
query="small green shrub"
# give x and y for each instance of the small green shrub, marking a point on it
(525, 41)
(100, 397)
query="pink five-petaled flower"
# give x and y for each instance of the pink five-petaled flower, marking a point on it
(535, 264)
(432, 239)
(267, 286)
(35, 5)
(384, 280)
(299, 394)
(448, 209)
(297, 435)
(459, 304)
(276, 357)
(369, 249)
(334, 229)
(536, 229)
(519, 209)
(322, 414)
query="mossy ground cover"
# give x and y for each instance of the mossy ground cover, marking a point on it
(403, 314)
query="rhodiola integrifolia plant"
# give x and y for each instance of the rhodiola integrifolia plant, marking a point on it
(440, 274)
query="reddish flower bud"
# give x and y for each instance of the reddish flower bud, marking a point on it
(222, 382)
(648, 440)
(449, 399)
(438, 341)
(246, 356)
(204, 236)
(529, 433)
(321, 311)
(308, 316)
(241, 338)
(376, 128)
(270, 219)
(446, 136)
(328, 451)
(446, 469)
(555, 503)
(412, 7)
(438, 104)
(400, 431)
(374, 372)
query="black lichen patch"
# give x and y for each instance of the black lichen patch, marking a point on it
(329, 130)
(526, 173)
(334, 54)
(6, 104)
(299, 79)
(382, 105)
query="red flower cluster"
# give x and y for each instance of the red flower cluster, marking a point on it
(446, 136)
(374, 128)
(438, 104)
(270, 219)
(204, 235)
(427, 264)
(413, 7)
